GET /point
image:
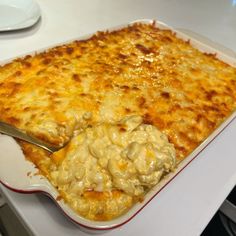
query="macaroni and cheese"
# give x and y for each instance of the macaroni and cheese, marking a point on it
(119, 95)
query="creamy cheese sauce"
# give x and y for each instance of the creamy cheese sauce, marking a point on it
(128, 156)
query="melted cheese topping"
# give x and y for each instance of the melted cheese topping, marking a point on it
(139, 70)
(128, 156)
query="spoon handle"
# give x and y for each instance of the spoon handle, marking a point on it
(17, 133)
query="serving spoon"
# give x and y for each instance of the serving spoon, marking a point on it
(17, 133)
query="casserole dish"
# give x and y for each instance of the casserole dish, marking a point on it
(24, 178)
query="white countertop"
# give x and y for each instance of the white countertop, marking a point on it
(187, 204)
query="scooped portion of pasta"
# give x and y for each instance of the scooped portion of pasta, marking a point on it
(106, 168)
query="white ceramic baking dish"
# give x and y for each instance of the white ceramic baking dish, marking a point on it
(18, 174)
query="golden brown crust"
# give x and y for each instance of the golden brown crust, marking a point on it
(122, 62)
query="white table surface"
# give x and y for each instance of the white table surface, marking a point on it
(191, 199)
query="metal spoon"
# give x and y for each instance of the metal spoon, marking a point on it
(17, 133)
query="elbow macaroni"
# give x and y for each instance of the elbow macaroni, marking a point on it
(128, 156)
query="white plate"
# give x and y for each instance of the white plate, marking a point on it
(19, 175)
(18, 14)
